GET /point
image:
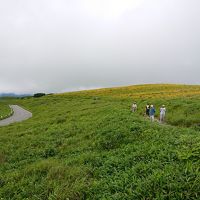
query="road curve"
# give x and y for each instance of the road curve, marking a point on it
(19, 115)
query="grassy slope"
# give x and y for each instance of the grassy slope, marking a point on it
(83, 147)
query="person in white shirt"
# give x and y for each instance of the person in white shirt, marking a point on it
(134, 107)
(162, 113)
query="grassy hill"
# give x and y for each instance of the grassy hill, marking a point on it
(88, 145)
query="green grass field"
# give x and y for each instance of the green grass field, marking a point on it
(88, 145)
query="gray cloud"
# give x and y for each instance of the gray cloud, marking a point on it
(60, 45)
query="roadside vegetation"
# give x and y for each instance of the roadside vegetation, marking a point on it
(5, 110)
(88, 145)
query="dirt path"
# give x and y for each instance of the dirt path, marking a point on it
(19, 115)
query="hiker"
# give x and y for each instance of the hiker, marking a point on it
(152, 113)
(134, 107)
(147, 109)
(162, 113)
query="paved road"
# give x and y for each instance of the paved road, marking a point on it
(19, 115)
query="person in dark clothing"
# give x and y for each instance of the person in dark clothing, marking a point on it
(152, 112)
(147, 109)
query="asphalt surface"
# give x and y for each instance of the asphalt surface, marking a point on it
(19, 115)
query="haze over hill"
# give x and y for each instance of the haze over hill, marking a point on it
(13, 95)
(56, 46)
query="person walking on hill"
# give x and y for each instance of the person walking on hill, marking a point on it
(162, 113)
(134, 107)
(147, 109)
(152, 112)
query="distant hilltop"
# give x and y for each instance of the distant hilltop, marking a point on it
(14, 95)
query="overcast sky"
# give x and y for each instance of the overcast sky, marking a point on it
(64, 45)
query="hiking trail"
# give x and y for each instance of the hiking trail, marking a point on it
(19, 115)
